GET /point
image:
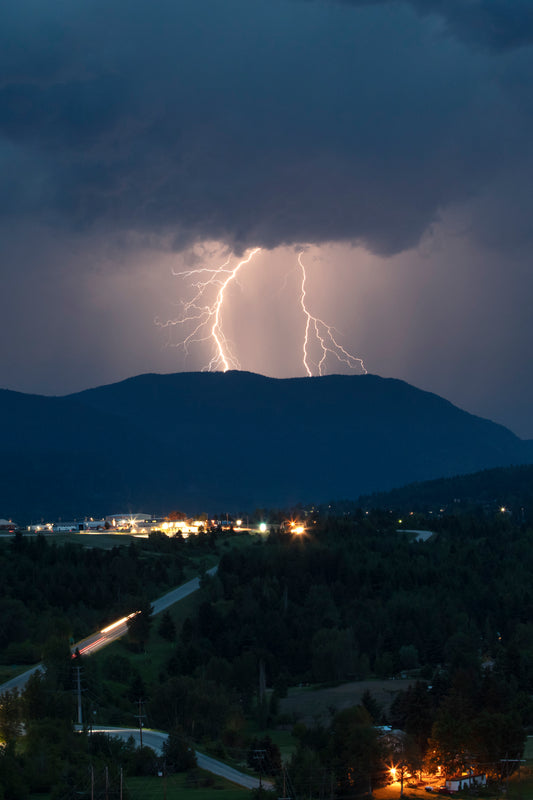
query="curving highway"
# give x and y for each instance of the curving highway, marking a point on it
(155, 740)
(95, 642)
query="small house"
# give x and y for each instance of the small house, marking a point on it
(467, 780)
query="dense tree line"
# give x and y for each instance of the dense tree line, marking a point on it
(352, 600)
(42, 753)
(482, 493)
(39, 749)
(471, 720)
(51, 589)
(355, 599)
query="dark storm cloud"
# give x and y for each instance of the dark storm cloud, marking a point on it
(129, 129)
(258, 122)
(497, 24)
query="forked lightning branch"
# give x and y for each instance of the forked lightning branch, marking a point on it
(202, 318)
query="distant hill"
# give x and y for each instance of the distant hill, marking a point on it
(490, 490)
(229, 441)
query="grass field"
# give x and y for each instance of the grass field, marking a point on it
(528, 750)
(311, 705)
(198, 785)
(283, 738)
(195, 785)
(103, 540)
(520, 787)
(6, 673)
(158, 650)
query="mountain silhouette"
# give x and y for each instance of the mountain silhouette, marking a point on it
(232, 441)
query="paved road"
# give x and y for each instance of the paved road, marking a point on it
(114, 631)
(20, 681)
(107, 635)
(179, 594)
(155, 740)
(421, 536)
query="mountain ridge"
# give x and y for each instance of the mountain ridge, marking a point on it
(233, 440)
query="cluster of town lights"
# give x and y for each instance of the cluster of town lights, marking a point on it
(136, 525)
(297, 529)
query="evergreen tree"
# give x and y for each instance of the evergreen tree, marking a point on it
(167, 627)
(139, 625)
(178, 754)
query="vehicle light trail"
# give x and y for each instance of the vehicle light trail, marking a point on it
(323, 335)
(104, 636)
(122, 621)
(204, 311)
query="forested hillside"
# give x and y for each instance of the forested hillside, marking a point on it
(351, 598)
(53, 591)
(486, 492)
(355, 598)
(233, 441)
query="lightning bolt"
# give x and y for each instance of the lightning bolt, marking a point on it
(205, 316)
(322, 333)
(202, 316)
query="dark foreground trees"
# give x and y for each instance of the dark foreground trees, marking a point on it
(178, 754)
(346, 758)
(139, 625)
(351, 599)
(70, 591)
(465, 737)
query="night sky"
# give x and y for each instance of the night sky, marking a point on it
(388, 142)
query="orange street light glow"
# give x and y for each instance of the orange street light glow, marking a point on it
(298, 529)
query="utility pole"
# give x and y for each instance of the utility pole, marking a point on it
(259, 755)
(140, 717)
(508, 768)
(78, 687)
(262, 680)
(284, 773)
